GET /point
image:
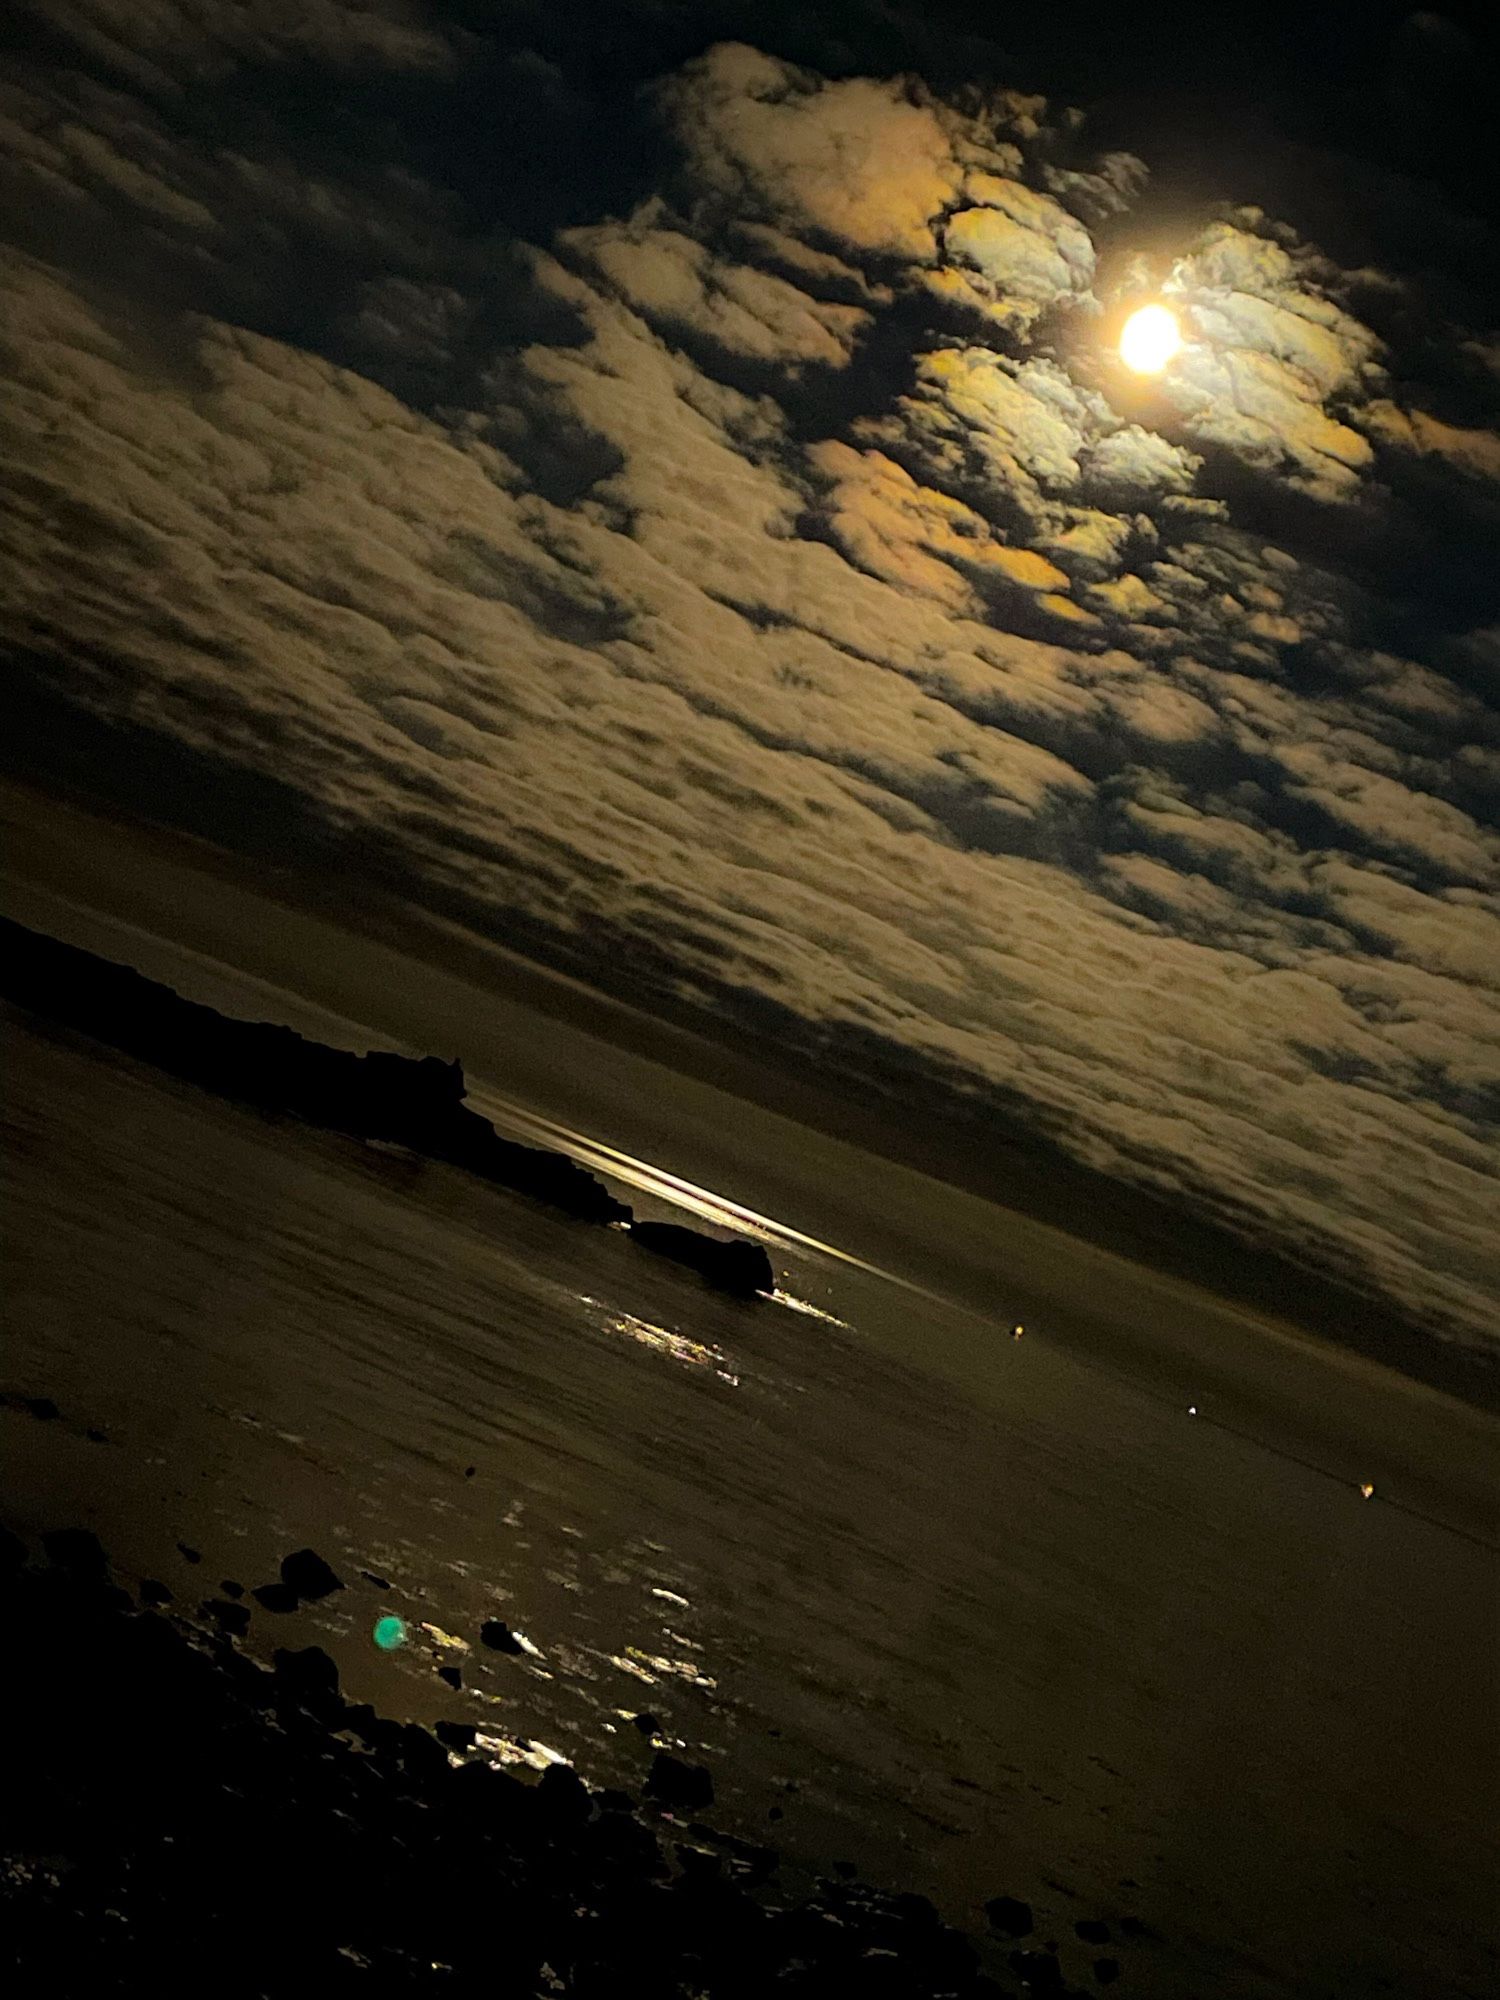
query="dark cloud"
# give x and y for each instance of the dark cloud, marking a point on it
(764, 577)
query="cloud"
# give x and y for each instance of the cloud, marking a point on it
(720, 594)
(1473, 453)
(687, 292)
(858, 162)
(156, 43)
(1267, 355)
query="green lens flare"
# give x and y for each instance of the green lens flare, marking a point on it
(390, 1632)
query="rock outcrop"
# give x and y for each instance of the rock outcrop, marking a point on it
(732, 1264)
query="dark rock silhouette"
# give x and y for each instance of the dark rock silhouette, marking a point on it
(565, 1798)
(307, 1674)
(453, 1676)
(306, 1573)
(1091, 1930)
(1038, 1970)
(733, 1265)
(415, 1102)
(679, 1786)
(76, 1549)
(497, 1635)
(1106, 1970)
(229, 1617)
(1010, 1916)
(278, 1597)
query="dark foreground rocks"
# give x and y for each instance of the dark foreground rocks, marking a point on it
(413, 1102)
(170, 1803)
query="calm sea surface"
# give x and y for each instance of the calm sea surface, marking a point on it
(1018, 1628)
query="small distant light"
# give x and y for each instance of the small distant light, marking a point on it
(1192, 1409)
(1367, 1491)
(390, 1632)
(1016, 1332)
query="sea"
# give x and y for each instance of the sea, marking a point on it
(929, 1589)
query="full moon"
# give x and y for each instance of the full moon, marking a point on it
(1149, 339)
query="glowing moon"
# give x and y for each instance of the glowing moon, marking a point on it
(1149, 339)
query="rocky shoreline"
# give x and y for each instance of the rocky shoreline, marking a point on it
(413, 1102)
(170, 1801)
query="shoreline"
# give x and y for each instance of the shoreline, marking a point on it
(80, 766)
(414, 1103)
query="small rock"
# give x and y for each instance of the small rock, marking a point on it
(374, 1577)
(306, 1572)
(909, 1908)
(421, 1753)
(75, 1549)
(1106, 1970)
(276, 1597)
(454, 1735)
(452, 1676)
(1091, 1930)
(497, 1635)
(189, 1555)
(96, 1437)
(1039, 1970)
(564, 1797)
(228, 1617)
(307, 1673)
(679, 1786)
(470, 1470)
(647, 1723)
(154, 1593)
(230, 1588)
(1010, 1916)
(43, 1407)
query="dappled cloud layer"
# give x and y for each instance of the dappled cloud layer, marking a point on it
(785, 575)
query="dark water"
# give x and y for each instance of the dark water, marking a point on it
(1035, 1633)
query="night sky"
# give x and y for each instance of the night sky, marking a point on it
(662, 478)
